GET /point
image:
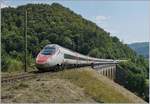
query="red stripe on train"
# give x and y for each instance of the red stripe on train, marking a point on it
(42, 58)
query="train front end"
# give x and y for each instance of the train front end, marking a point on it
(46, 58)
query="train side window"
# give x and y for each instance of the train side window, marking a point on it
(67, 56)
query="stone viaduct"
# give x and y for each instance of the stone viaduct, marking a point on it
(108, 70)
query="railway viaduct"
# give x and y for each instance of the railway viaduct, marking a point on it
(108, 70)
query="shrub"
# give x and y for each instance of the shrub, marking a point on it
(13, 65)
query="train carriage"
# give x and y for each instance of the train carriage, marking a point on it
(53, 56)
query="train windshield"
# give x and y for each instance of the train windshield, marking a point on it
(48, 51)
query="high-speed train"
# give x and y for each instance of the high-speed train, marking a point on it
(55, 56)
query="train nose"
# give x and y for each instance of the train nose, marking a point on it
(41, 59)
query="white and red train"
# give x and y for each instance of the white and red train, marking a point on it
(53, 56)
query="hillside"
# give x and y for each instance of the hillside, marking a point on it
(68, 86)
(57, 24)
(142, 48)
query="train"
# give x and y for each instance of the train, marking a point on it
(55, 57)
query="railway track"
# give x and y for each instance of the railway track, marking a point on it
(25, 76)
(18, 77)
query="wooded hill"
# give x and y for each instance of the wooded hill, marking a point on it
(142, 48)
(57, 24)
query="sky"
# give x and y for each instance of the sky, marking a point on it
(128, 20)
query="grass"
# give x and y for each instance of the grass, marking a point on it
(68, 86)
(44, 91)
(95, 88)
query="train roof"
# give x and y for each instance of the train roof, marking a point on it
(56, 45)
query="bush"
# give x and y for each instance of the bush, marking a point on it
(135, 77)
(136, 83)
(13, 65)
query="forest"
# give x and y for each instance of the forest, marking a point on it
(59, 25)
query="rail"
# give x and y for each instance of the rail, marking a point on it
(14, 78)
(29, 75)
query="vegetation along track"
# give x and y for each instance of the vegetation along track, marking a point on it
(26, 76)
(23, 76)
